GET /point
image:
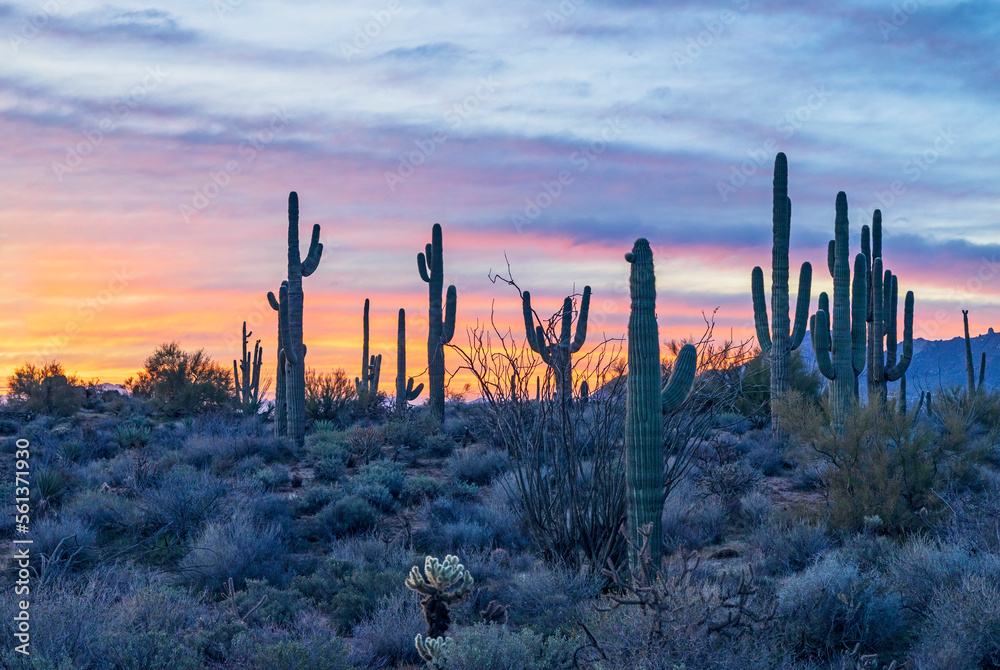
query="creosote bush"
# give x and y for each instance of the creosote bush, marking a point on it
(182, 383)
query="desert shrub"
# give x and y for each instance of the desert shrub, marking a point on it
(364, 444)
(49, 486)
(181, 383)
(418, 488)
(763, 452)
(73, 451)
(330, 397)
(390, 475)
(882, 464)
(349, 592)
(63, 544)
(692, 522)
(477, 465)
(501, 648)
(728, 481)
(238, 548)
(329, 469)
(409, 432)
(787, 547)
(920, 568)
(222, 453)
(131, 435)
(349, 515)
(316, 498)
(274, 477)
(297, 655)
(963, 630)
(46, 389)
(384, 639)
(832, 605)
(184, 500)
(757, 509)
(439, 445)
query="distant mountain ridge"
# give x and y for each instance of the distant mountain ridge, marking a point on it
(936, 363)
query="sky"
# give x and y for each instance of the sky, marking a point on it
(147, 151)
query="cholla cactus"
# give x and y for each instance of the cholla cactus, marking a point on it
(441, 577)
(433, 649)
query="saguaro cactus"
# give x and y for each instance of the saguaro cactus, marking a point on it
(884, 294)
(440, 329)
(882, 297)
(280, 386)
(970, 368)
(405, 392)
(776, 343)
(647, 400)
(295, 349)
(558, 355)
(849, 311)
(248, 383)
(371, 368)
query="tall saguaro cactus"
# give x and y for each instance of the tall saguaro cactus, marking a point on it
(248, 383)
(280, 386)
(970, 368)
(776, 343)
(293, 346)
(882, 297)
(441, 329)
(884, 294)
(647, 400)
(371, 368)
(558, 355)
(405, 392)
(849, 312)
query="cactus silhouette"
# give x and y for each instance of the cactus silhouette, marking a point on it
(280, 387)
(847, 344)
(248, 383)
(558, 355)
(882, 297)
(776, 343)
(970, 368)
(371, 368)
(441, 329)
(291, 304)
(405, 392)
(647, 401)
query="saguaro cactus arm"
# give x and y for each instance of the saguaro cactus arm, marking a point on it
(822, 341)
(291, 356)
(311, 262)
(581, 323)
(681, 378)
(899, 369)
(450, 305)
(760, 310)
(801, 305)
(859, 309)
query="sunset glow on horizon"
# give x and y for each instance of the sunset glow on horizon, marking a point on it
(147, 153)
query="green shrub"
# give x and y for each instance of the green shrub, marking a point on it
(347, 516)
(384, 638)
(130, 435)
(330, 397)
(298, 655)
(181, 383)
(477, 465)
(500, 648)
(418, 488)
(238, 548)
(963, 630)
(45, 389)
(784, 548)
(184, 500)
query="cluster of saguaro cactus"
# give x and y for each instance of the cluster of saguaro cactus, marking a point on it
(882, 298)
(558, 355)
(444, 584)
(289, 307)
(970, 368)
(248, 383)
(647, 400)
(371, 368)
(441, 324)
(405, 392)
(776, 343)
(840, 351)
